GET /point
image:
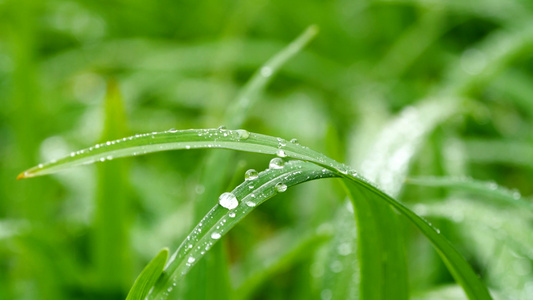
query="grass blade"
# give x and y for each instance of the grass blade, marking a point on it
(488, 189)
(244, 141)
(110, 240)
(220, 219)
(213, 271)
(146, 280)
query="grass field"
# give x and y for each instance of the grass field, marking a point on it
(392, 139)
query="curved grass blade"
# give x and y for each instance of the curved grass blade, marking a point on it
(244, 141)
(220, 220)
(489, 189)
(146, 280)
(139, 144)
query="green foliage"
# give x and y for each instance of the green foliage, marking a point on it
(429, 101)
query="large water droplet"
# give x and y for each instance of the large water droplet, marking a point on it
(276, 163)
(251, 174)
(281, 153)
(243, 134)
(295, 141)
(215, 235)
(228, 200)
(281, 187)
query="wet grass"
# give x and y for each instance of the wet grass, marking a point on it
(430, 104)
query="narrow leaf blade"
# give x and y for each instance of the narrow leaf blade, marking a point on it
(146, 280)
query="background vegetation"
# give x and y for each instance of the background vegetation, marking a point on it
(443, 85)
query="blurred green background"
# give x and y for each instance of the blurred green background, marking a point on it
(179, 64)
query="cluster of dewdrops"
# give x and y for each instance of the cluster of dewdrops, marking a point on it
(229, 200)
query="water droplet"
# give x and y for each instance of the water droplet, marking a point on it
(72, 154)
(251, 174)
(231, 215)
(109, 157)
(281, 153)
(276, 163)
(295, 141)
(108, 143)
(228, 200)
(199, 189)
(40, 166)
(326, 294)
(102, 159)
(250, 203)
(281, 187)
(266, 71)
(336, 266)
(191, 259)
(243, 134)
(222, 127)
(215, 235)
(97, 146)
(344, 249)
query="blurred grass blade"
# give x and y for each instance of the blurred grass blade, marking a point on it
(252, 142)
(146, 280)
(220, 220)
(458, 267)
(380, 247)
(489, 189)
(110, 240)
(282, 251)
(213, 271)
(249, 95)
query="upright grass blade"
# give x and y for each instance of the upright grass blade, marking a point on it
(251, 142)
(212, 271)
(112, 258)
(148, 276)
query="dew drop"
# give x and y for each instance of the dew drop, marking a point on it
(266, 71)
(228, 200)
(108, 143)
(251, 174)
(191, 259)
(109, 157)
(102, 159)
(97, 146)
(344, 249)
(281, 153)
(243, 134)
(215, 235)
(250, 203)
(276, 163)
(281, 187)
(222, 127)
(295, 141)
(40, 166)
(72, 154)
(231, 215)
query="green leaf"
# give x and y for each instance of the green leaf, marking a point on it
(252, 142)
(250, 194)
(146, 280)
